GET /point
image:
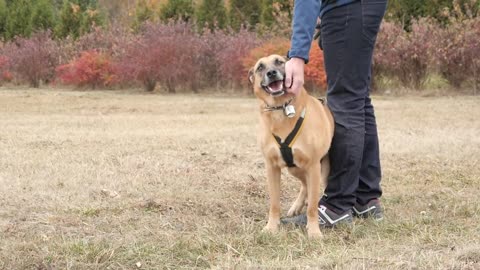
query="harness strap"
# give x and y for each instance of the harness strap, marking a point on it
(286, 146)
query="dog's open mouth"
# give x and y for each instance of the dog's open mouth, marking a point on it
(275, 88)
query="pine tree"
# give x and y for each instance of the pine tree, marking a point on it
(177, 9)
(77, 17)
(143, 12)
(403, 11)
(43, 16)
(212, 13)
(19, 19)
(86, 4)
(244, 12)
(91, 17)
(271, 7)
(3, 15)
(267, 17)
(69, 20)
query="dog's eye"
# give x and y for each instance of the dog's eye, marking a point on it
(260, 68)
(279, 62)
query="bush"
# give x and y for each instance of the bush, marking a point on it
(166, 53)
(384, 55)
(33, 59)
(278, 46)
(91, 69)
(228, 54)
(406, 55)
(5, 75)
(458, 56)
(111, 42)
(315, 76)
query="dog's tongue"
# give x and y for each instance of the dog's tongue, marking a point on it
(276, 86)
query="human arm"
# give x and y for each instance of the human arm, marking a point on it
(305, 17)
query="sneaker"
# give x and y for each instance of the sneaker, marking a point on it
(329, 219)
(372, 209)
(326, 218)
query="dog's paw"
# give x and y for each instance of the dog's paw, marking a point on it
(314, 233)
(270, 229)
(295, 209)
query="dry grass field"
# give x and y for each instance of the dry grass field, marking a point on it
(127, 180)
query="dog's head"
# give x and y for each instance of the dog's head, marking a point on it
(267, 77)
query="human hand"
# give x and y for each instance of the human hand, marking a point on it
(294, 75)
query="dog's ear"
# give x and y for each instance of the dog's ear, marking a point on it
(251, 76)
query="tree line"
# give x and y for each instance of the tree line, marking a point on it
(63, 17)
(77, 17)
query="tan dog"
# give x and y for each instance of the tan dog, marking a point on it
(313, 123)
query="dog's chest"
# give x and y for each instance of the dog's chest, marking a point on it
(278, 157)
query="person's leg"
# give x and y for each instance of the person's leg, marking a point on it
(370, 170)
(348, 37)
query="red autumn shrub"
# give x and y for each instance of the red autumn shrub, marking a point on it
(5, 75)
(406, 55)
(315, 76)
(33, 59)
(91, 69)
(169, 54)
(278, 46)
(111, 42)
(385, 55)
(228, 53)
(458, 56)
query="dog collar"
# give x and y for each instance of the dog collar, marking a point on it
(269, 108)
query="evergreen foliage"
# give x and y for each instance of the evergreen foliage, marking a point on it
(18, 21)
(177, 9)
(244, 12)
(143, 13)
(43, 16)
(212, 13)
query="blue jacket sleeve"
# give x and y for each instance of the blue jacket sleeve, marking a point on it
(305, 14)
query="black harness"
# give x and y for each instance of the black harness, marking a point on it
(286, 146)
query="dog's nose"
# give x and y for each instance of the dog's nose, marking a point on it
(272, 74)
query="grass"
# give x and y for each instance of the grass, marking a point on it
(119, 180)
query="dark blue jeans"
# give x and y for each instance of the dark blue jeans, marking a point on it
(348, 35)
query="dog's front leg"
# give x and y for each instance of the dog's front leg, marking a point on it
(273, 181)
(313, 186)
(301, 200)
